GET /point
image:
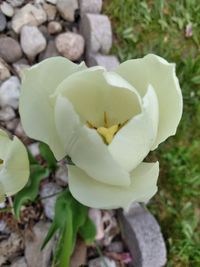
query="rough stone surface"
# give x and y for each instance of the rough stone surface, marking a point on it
(142, 234)
(50, 51)
(97, 32)
(7, 9)
(70, 45)
(49, 203)
(19, 262)
(109, 62)
(54, 27)
(16, 3)
(2, 22)
(6, 114)
(90, 6)
(61, 176)
(20, 67)
(4, 70)
(9, 92)
(50, 11)
(33, 241)
(52, 1)
(99, 262)
(79, 255)
(67, 9)
(11, 125)
(10, 50)
(28, 15)
(34, 149)
(4, 229)
(32, 41)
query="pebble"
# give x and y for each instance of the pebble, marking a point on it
(50, 11)
(54, 2)
(4, 229)
(98, 38)
(33, 241)
(10, 50)
(7, 9)
(28, 15)
(143, 237)
(116, 246)
(54, 27)
(109, 62)
(90, 6)
(2, 22)
(16, 3)
(9, 92)
(70, 45)
(61, 176)
(20, 68)
(34, 149)
(11, 125)
(4, 70)
(50, 51)
(49, 203)
(7, 113)
(32, 41)
(67, 9)
(19, 262)
(102, 262)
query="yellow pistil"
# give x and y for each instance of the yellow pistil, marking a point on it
(108, 133)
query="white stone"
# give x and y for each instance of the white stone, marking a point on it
(34, 149)
(110, 62)
(102, 262)
(7, 113)
(90, 6)
(7, 9)
(54, 2)
(4, 71)
(20, 69)
(16, 3)
(50, 11)
(9, 92)
(28, 15)
(70, 45)
(67, 9)
(32, 41)
(61, 176)
(19, 262)
(54, 27)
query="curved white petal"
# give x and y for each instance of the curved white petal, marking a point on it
(36, 110)
(14, 172)
(95, 91)
(161, 75)
(4, 143)
(89, 153)
(134, 141)
(98, 195)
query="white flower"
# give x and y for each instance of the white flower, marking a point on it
(107, 122)
(14, 165)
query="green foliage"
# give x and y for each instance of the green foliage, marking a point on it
(71, 218)
(142, 27)
(47, 154)
(30, 191)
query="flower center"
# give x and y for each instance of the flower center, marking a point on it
(106, 132)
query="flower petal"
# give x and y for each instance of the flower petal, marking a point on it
(98, 195)
(95, 91)
(36, 110)
(90, 153)
(134, 141)
(14, 173)
(161, 75)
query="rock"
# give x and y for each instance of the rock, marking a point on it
(4, 229)
(9, 92)
(34, 149)
(116, 246)
(11, 247)
(54, 27)
(49, 203)
(90, 6)
(16, 3)
(51, 51)
(2, 22)
(102, 262)
(67, 9)
(96, 216)
(33, 241)
(4, 70)
(11, 125)
(32, 41)
(28, 15)
(7, 113)
(20, 68)
(7, 9)
(50, 11)
(10, 50)
(19, 131)
(70, 45)
(143, 237)
(78, 257)
(61, 176)
(98, 39)
(109, 62)
(19, 262)
(52, 1)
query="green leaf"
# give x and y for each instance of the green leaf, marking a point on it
(30, 191)
(48, 156)
(196, 79)
(88, 231)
